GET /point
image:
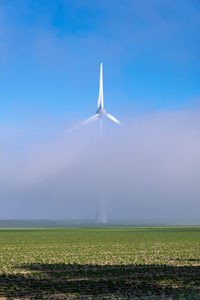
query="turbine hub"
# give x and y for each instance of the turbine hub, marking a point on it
(101, 111)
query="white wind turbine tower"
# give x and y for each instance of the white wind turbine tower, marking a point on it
(101, 113)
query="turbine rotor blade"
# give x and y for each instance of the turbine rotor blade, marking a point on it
(90, 120)
(112, 118)
(100, 99)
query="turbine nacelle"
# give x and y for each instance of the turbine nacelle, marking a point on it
(101, 111)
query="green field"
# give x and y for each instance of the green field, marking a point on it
(104, 263)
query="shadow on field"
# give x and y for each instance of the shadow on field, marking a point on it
(43, 280)
(190, 259)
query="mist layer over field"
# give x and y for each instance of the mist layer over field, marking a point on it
(149, 168)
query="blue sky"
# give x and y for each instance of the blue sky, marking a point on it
(50, 53)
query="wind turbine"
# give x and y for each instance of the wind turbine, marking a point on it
(101, 113)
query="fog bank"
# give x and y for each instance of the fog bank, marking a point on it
(149, 168)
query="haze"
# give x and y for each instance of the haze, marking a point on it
(147, 169)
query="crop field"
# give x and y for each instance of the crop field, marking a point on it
(100, 263)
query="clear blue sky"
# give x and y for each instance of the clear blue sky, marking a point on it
(50, 53)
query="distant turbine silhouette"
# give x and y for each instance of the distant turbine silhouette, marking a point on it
(101, 113)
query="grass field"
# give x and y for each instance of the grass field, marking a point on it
(104, 263)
